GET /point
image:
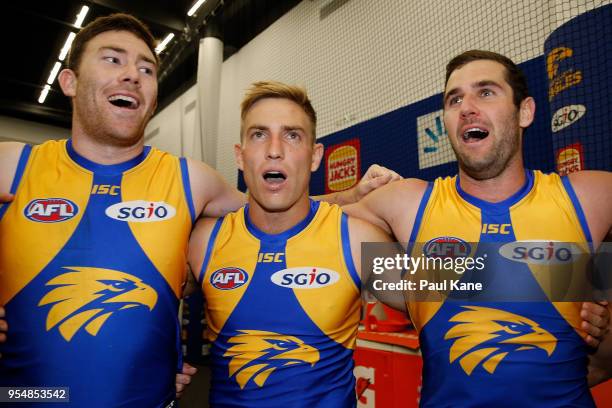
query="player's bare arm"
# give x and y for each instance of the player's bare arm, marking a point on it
(392, 207)
(361, 231)
(594, 191)
(198, 243)
(9, 157)
(376, 177)
(212, 195)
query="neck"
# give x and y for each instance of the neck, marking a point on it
(276, 222)
(498, 188)
(103, 152)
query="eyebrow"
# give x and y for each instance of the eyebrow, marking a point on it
(475, 85)
(123, 51)
(263, 127)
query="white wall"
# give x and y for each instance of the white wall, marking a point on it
(12, 129)
(367, 58)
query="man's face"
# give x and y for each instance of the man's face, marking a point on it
(483, 124)
(115, 90)
(277, 154)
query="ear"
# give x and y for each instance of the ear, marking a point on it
(67, 79)
(317, 155)
(526, 112)
(238, 156)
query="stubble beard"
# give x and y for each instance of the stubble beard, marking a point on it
(97, 125)
(496, 160)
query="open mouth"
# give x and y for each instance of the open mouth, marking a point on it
(274, 177)
(124, 101)
(474, 134)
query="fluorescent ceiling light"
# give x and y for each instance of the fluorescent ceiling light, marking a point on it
(54, 72)
(195, 7)
(67, 46)
(162, 45)
(81, 16)
(43, 94)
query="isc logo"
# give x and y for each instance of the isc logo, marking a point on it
(105, 189)
(538, 252)
(50, 210)
(141, 211)
(270, 257)
(308, 277)
(228, 278)
(447, 247)
(503, 229)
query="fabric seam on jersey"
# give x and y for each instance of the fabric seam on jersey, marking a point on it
(345, 244)
(416, 226)
(503, 206)
(209, 250)
(187, 188)
(24, 158)
(569, 190)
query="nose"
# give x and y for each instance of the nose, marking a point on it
(131, 74)
(468, 106)
(275, 147)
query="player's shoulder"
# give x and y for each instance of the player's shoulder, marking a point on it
(364, 231)
(591, 179)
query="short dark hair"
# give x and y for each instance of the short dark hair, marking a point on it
(113, 22)
(513, 75)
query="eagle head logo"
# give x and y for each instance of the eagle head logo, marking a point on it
(256, 354)
(485, 335)
(87, 297)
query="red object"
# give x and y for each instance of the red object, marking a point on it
(342, 165)
(381, 318)
(603, 394)
(388, 370)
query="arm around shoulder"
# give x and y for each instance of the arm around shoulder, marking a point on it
(212, 195)
(594, 191)
(198, 244)
(9, 158)
(392, 206)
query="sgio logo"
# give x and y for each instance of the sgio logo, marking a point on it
(308, 277)
(228, 278)
(539, 252)
(444, 247)
(141, 211)
(566, 116)
(50, 210)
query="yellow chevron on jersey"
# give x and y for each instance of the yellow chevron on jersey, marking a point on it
(283, 310)
(473, 350)
(92, 260)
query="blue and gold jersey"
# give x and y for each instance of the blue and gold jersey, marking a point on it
(92, 260)
(529, 353)
(282, 312)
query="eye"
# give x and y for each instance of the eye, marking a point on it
(146, 70)
(112, 60)
(257, 135)
(454, 100)
(293, 135)
(486, 92)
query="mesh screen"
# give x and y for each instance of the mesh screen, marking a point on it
(375, 73)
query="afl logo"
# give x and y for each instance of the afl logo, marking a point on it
(307, 277)
(447, 247)
(141, 211)
(229, 278)
(50, 210)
